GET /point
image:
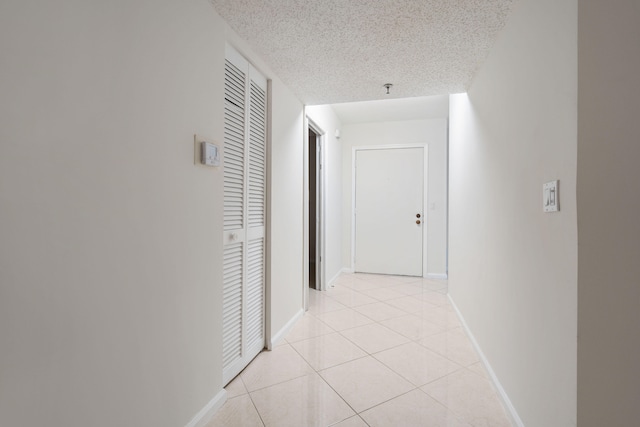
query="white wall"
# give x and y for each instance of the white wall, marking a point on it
(608, 213)
(286, 248)
(326, 119)
(433, 132)
(513, 268)
(110, 236)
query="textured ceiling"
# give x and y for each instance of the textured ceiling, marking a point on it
(331, 51)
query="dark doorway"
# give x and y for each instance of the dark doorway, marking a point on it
(313, 208)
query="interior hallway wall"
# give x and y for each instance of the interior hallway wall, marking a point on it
(430, 131)
(513, 268)
(110, 236)
(324, 117)
(608, 213)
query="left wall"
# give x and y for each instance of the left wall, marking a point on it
(110, 236)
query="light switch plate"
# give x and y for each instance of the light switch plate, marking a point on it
(550, 197)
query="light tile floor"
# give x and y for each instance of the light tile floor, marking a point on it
(372, 351)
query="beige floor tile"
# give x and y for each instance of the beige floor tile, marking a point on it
(435, 285)
(237, 412)
(443, 316)
(328, 350)
(410, 304)
(337, 290)
(414, 409)
(479, 369)
(344, 278)
(344, 319)
(408, 288)
(471, 397)
(324, 304)
(434, 298)
(383, 294)
(308, 327)
(454, 345)
(304, 401)
(365, 382)
(235, 388)
(273, 367)
(355, 421)
(380, 311)
(365, 284)
(416, 363)
(352, 299)
(412, 326)
(374, 337)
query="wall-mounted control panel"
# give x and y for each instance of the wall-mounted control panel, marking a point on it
(210, 155)
(550, 197)
(206, 152)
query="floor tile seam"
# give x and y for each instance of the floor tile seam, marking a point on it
(288, 379)
(264, 424)
(388, 400)
(343, 363)
(446, 356)
(431, 349)
(355, 415)
(339, 395)
(344, 309)
(460, 415)
(352, 342)
(338, 364)
(445, 407)
(358, 326)
(366, 351)
(458, 368)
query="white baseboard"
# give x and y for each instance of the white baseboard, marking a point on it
(347, 270)
(511, 410)
(436, 276)
(279, 336)
(206, 414)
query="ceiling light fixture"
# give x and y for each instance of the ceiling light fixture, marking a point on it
(388, 86)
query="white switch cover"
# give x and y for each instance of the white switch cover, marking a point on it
(550, 197)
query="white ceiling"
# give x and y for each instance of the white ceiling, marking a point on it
(333, 51)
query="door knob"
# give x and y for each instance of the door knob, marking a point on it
(417, 221)
(417, 215)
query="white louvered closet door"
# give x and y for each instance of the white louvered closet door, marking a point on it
(244, 213)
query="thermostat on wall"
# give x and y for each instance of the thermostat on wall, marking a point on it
(210, 154)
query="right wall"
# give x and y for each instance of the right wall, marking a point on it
(513, 268)
(608, 195)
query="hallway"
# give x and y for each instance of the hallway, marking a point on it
(371, 351)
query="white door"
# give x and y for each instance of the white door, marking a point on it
(389, 192)
(244, 214)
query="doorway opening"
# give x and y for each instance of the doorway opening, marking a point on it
(314, 166)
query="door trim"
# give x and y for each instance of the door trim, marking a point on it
(354, 151)
(320, 255)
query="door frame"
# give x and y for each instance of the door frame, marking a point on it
(425, 221)
(320, 209)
